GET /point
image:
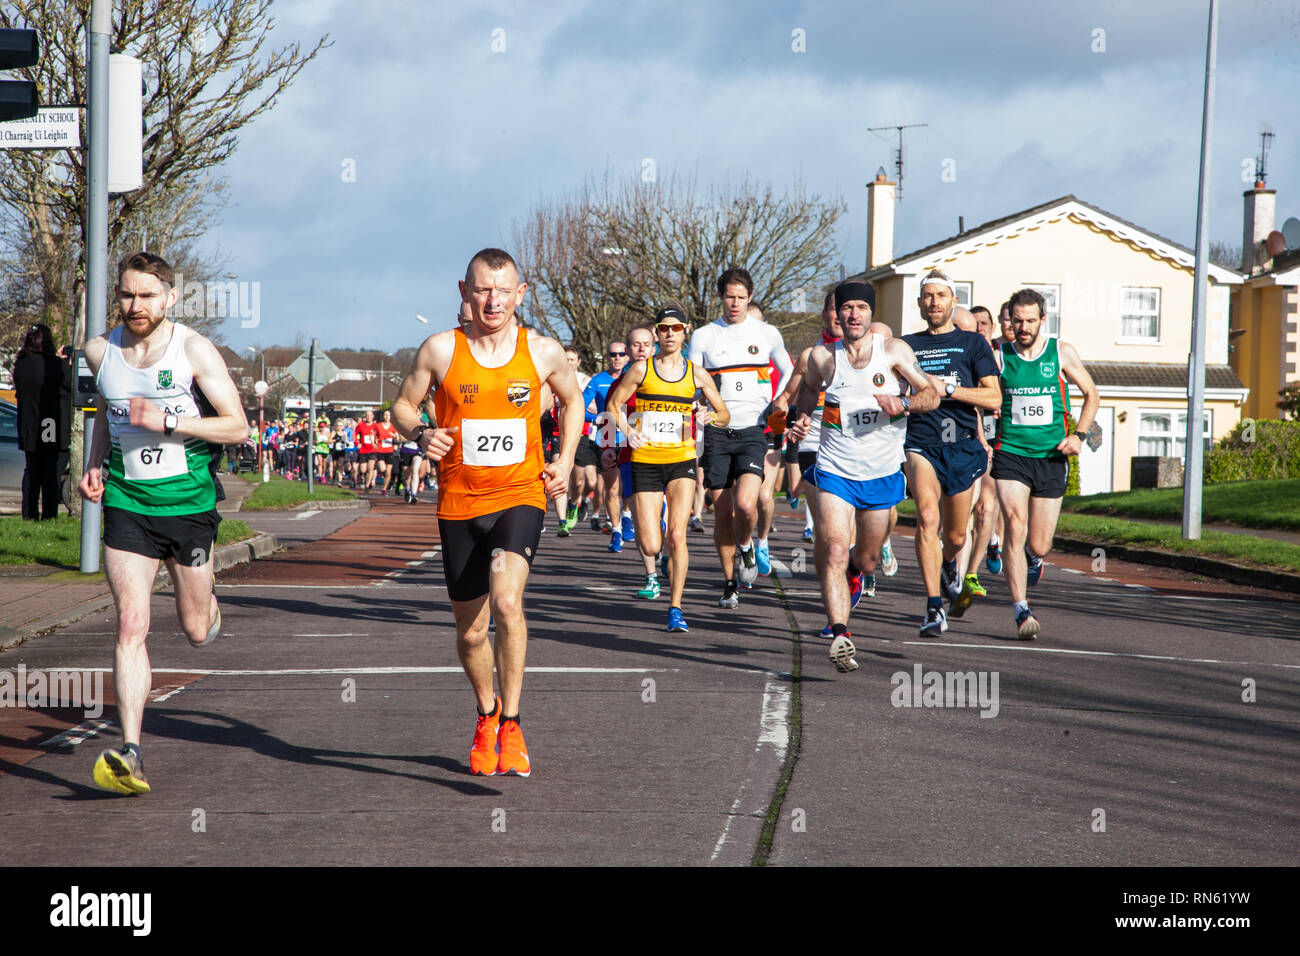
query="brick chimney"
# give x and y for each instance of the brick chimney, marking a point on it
(880, 222)
(1260, 213)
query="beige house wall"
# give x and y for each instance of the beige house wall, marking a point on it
(1091, 267)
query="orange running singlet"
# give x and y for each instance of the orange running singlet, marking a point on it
(496, 461)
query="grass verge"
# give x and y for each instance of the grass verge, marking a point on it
(1251, 504)
(282, 493)
(1238, 548)
(57, 543)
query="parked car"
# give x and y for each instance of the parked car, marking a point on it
(12, 461)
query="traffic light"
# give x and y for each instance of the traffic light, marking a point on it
(18, 48)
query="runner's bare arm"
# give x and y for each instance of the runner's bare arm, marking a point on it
(818, 368)
(721, 415)
(427, 369)
(1073, 369)
(796, 379)
(553, 368)
(228, 427)
(91, 486)
(988, 395)
(616, 401)
(903, 360)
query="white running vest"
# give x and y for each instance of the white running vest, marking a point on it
(858, 440)
(151, 472)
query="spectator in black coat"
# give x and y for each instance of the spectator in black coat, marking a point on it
(41, 381)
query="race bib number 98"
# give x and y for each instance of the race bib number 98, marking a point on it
(1031, 409)
(493, 442)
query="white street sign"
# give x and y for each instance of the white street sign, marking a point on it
(54, 127)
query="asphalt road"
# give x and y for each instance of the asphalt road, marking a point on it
(330, 723)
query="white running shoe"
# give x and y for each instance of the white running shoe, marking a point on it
(888, 562)
(841, 654)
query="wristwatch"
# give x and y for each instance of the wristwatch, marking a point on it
(907, 405)
(1082, 436)
(169, 424)
(415, 437)
(950, 389)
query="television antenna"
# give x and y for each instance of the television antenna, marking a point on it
(898, 162)
(1265, 135)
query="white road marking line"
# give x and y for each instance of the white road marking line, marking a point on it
(773, 732)
(430, 554)
(347, 634)
(305, 514)
(166, 696)
(1081, 653)
(307, 671)
(414, 564)
(75, 735)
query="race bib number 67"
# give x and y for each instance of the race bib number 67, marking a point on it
(493, 442)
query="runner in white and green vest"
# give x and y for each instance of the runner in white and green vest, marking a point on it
(157, 490)
(1030, 464)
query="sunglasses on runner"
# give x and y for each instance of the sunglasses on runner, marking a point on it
(615, 354)
(669, 327)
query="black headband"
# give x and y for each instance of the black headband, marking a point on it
(849, 291)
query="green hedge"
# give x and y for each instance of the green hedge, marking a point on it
(1274, 452)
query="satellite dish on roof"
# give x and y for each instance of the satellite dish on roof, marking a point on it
(1275, 243)
(1291, 233)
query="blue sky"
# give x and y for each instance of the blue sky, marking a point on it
(453, 141)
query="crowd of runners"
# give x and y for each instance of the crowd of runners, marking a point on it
(968, 417)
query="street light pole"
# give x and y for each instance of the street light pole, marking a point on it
(1195, 447)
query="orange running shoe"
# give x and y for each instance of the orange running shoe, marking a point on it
(514, 752)
(483, 754)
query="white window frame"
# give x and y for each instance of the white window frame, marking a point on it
(1050, 293)
(967, 288)
(1177, 435)
(1139, 339)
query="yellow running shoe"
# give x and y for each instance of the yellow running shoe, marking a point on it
(121, 772)
(514, 752)
(483, 753)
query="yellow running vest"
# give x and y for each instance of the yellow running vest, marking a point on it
(663, 415)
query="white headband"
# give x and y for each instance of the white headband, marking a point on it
(939, 280)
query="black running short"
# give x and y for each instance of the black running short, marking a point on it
(587, 455)
(655, 477)
(1046, 477)
(729, 453)
(468, 546)
(187, 538)
(957, 466)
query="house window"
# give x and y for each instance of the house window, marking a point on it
(964, 290)
(1165, 432)
(1139, 317)
(1052, 293)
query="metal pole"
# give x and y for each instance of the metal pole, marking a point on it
(1195, 447)
(101, 16)
(311, 415)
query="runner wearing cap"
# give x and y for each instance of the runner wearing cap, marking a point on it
(857, 474)
(663, 449)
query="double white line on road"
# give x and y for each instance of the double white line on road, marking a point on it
(1082, 653)
(301, 671)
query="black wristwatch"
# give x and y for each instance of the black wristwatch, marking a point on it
(1082, 436)
(418, 432)
(907, 405)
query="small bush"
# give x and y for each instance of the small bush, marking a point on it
(1274, 453)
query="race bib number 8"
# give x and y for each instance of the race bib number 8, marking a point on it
(493, 442)
(149, 456)
(1031, 409)
(662, 428)
(743, 386)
